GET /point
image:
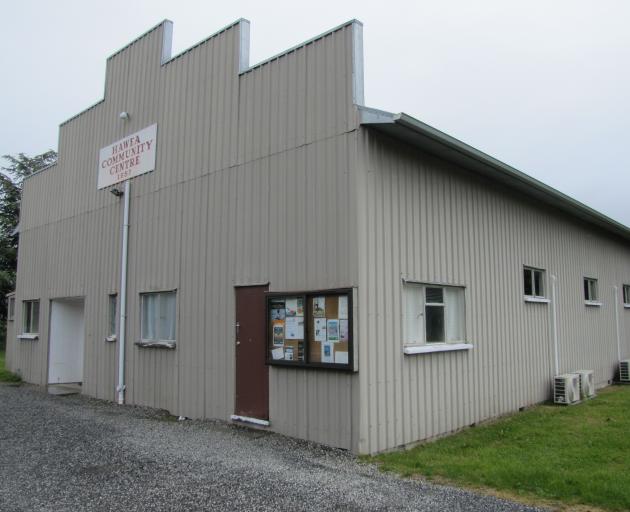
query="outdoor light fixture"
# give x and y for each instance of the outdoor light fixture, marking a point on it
(124, 116)
(117, 192)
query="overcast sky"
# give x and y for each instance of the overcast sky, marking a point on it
(541, 85)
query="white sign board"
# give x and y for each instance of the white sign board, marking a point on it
(128, 157)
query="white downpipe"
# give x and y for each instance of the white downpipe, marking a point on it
(554, 322)
(123, 299)
(615, 292)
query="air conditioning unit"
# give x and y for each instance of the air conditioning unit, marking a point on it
(566, 388)
(624, 371)
(587, 383)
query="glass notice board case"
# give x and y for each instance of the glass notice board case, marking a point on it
(310, 329)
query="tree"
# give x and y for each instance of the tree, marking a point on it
(11, 177)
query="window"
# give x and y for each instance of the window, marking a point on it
(311, 329)
(626, 294)
(111, 316)
(158, 321)
(533, 279)
(31, 316)
(11, 313)
(590, 289)
(434, 314)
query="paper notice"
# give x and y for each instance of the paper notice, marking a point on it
(288, 354)
(343, 307)
(277, 353)
(319, 306)
(327, 352)
(343, 330)
(291, 307)
(294, 328)
(341, 357)
(277, 314)
(320, 329)
(278, 332)
(333, 330)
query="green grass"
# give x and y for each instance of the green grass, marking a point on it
(575, 455)
(5, 375)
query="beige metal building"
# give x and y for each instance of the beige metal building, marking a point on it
(297, 260)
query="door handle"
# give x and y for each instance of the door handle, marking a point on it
(236, 328)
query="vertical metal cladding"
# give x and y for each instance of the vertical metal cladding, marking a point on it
(253, 183)
(425, 219)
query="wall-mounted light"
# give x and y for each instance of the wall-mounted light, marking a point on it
(124, 116)
(117, 192)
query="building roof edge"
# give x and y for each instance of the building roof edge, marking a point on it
(408, 129)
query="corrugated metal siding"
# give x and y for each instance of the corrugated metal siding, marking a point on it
(424, 219)
(10, 335)
(299, 97)
(236, 198)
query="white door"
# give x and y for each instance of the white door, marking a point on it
(67, 338)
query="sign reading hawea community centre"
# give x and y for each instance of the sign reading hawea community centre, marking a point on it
(128, 157)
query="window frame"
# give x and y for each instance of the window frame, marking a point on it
(307, 297)
(112, 330)
(423, 344)
(27, 316)
(625, 297)
(590, 285)
(158, 342)
(535, 297)
(10, 309)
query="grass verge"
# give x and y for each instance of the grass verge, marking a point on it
(5, 375)
(576, 455)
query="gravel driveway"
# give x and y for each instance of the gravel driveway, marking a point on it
(75, 453)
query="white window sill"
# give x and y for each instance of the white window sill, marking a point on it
(28, 336)
(156, 344)
(438, 347)
(626, 306)
(111, 338)
(592, 303)
(540, 300)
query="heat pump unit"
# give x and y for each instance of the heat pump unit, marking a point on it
(624, 371)
(587, 383)
(566, 388)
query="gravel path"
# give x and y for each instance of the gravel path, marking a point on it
(75, 453)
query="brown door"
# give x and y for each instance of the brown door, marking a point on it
(252, 376)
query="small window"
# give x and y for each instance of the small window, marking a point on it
(590, 289)
(11, 312)
(111, 315)
(435, 314)
(626, 294)
(31, 316)
(158, 317)
(533, 280)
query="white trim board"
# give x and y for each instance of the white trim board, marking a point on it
(428, 349)
(247, 419)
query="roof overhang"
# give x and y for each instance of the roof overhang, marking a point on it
(416, 133)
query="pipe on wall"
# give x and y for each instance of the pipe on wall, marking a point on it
(615, 292)
(123, 298)
(554, 325)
